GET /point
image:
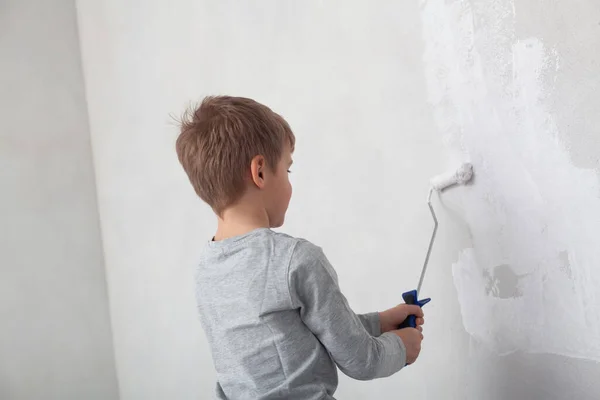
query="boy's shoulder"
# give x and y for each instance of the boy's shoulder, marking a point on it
(301, 247)
(305, 257)
(263, 243)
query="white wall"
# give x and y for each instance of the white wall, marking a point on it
(55, 337)
(381, 99)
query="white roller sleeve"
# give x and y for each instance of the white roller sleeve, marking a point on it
(459, 177)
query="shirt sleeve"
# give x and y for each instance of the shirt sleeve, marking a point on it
(371, 322)
(314, 290)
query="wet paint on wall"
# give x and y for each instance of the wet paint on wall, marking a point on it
(531, 280)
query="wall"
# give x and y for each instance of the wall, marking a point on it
(55, 337)
(506, 99)
(381, 98)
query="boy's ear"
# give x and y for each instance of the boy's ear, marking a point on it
(257, 169)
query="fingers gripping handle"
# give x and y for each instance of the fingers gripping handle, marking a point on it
(412, 297)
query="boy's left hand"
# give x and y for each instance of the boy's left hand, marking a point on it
(392, 318)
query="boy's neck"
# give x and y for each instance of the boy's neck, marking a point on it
(239, 220)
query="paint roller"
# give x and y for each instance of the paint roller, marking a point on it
(461, 176)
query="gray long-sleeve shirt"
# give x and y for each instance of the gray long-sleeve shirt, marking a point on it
(278, 323)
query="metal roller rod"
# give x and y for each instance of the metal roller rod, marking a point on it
(435, 228)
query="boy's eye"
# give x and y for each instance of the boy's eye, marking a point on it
(289, 172)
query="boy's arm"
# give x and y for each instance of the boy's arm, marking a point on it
(325, 311)
(371, 322)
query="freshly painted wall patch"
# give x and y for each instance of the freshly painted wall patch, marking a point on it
(531, 281)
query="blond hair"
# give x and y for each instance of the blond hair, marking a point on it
(218, 141)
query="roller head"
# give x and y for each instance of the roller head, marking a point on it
(459, 177)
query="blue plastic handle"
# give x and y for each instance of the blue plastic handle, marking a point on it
(412, 297)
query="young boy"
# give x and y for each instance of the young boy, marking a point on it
(270, 304)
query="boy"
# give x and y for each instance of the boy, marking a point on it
(269, 303)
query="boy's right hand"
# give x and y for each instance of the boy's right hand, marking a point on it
(412, 338)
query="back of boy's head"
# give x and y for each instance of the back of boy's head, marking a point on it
(218, 141)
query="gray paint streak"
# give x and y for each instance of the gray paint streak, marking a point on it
(55, 338)
(503, 282)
